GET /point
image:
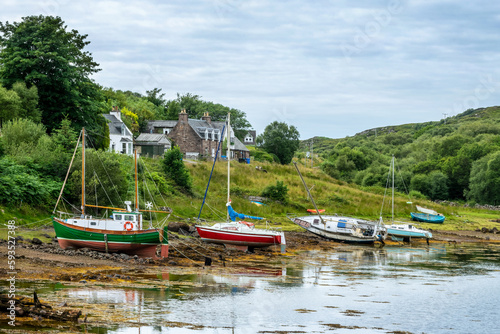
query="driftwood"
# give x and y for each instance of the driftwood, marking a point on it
(27, 307)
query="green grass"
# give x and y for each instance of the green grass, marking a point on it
(330, 194)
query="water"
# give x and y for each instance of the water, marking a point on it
(443, 289)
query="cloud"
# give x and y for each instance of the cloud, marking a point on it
(331, 68)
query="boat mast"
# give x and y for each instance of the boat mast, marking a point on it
(67, 173)
(228, 162)
(308, 192)
(136, 183)
(83, 172)
(392, 165)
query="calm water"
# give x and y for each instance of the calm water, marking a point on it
(441, 289)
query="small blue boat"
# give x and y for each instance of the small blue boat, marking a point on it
(427, 216)
(397, 231)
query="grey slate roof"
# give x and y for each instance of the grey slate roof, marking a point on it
(115, 125)
(152, 138)
(161, 124)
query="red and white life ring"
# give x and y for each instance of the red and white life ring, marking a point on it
(128, 226)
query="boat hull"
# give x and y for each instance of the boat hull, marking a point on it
(239, 238)
(427, 218)
(308, 223)
(142, 243)
(405, 233)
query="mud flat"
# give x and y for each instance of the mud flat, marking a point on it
(45, 263)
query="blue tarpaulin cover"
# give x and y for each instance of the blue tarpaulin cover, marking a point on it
(233, 214)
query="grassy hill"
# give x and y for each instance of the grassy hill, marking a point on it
(450, 159)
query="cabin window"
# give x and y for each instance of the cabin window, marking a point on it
(75, 222)
(118, 217)
(316, 221)
(93, 223)
(130, 218)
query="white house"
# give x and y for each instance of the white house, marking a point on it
(120, 137)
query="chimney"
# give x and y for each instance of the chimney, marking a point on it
(183, 116)
(207, 118)
(116, 112)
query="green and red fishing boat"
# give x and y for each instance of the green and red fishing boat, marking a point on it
(121, 233)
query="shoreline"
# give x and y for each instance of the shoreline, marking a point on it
(39, 260)
(45, 263)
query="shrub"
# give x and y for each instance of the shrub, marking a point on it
(278, 192)
(174, 168)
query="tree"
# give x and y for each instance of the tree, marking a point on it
(10, 105)
(280, 139)
(174, 168)
(41, 52)
(485, 180)
(156, 97)
(29, 101)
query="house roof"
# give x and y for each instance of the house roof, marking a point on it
(152, 138)
(115, 125)
(161, 124)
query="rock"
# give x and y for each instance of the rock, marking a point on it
(485, 230)
(176, 227)
(494, 230)
(36, 241)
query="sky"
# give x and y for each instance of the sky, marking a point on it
(330, 68)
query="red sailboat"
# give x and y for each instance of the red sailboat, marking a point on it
(239, 234)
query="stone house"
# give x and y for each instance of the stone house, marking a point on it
(198, 138)
(121, 139)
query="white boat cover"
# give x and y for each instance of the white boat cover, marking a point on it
(424, 210)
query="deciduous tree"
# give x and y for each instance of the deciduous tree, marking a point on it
(280, 139)
(41, 52)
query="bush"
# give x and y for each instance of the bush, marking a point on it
(278, 192)
(20, 184)
(174, 168)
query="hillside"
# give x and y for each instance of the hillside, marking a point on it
(446, 160)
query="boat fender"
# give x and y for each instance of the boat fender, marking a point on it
(247, 223)
(128, 226)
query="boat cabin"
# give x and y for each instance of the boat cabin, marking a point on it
(119, 221)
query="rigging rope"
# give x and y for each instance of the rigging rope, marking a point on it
(109, 177)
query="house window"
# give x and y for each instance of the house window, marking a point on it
(124, 148)
(166, 131)
(123, 130)
(130, 148)
(113, 147)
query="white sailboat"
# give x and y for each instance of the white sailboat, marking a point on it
(339, 228)
(402, 231)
